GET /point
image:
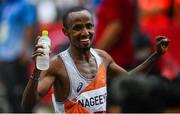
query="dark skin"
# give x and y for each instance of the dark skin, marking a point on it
(80, 31)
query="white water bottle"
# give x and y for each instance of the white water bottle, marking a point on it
(42, 62)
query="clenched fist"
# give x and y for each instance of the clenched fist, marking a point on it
(162, 44)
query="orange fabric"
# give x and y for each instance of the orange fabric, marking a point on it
(71, 106)
(99, 81)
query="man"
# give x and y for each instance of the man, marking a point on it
(78, 74)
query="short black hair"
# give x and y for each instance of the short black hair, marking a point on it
(74, 9)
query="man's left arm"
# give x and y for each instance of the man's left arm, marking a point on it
(162, 44)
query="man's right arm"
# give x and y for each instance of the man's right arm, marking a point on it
(37, 88)
(30, 95)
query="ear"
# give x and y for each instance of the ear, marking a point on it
(65, 31)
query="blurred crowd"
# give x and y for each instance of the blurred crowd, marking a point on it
(126, 29)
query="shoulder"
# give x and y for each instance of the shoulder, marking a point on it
(104, 55)
(56, 61)
(56, 65)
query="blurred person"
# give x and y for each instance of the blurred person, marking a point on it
(173, 103)
(175, 85)
(17, 19)
(115, 24)
(78, 74)
(138, 94)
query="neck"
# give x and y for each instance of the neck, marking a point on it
(80, 54)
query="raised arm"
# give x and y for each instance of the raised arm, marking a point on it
(37, 88)
(114, 69)
(162, 44)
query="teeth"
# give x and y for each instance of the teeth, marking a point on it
(84, 40)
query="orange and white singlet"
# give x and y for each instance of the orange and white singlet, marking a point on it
(86, 95)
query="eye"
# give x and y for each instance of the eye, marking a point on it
(89, 26)
(77, 27)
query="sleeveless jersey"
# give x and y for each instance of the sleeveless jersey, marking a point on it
(86, 95)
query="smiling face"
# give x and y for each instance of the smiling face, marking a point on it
(80, 29)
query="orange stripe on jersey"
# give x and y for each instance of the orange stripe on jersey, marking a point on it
(99, 81)
(73, 107)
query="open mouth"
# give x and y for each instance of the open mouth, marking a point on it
(84, 40)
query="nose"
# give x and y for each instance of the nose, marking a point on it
(85, 32)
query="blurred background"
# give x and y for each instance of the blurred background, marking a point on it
(126, 29)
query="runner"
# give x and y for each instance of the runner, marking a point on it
(78, 75)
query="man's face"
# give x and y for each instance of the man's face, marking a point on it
(80, 29)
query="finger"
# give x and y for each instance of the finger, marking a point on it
(38, 47)
(165, 42)
(37, 53)
(34, 56)
(159, 38)
(37, 38)
(162, 40)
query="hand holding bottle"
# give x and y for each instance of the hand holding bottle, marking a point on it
(42, 50)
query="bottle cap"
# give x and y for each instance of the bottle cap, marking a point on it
(44, 33)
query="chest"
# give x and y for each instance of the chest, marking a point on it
(87, 69)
